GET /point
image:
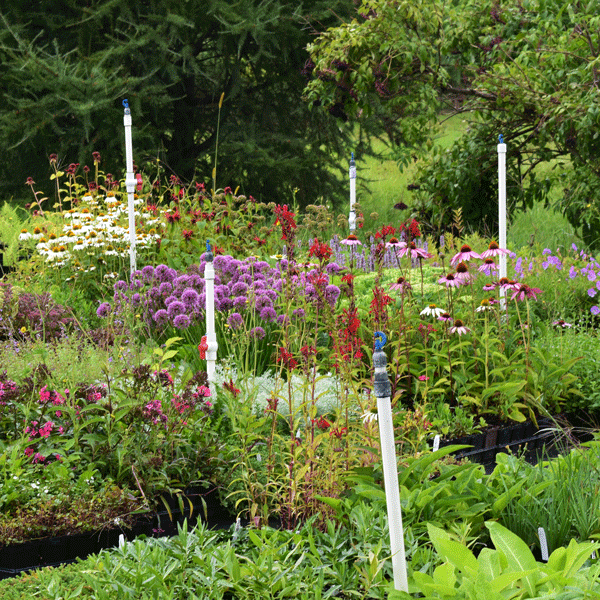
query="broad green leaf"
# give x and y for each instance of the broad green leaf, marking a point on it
(517, 553)
(453, 552)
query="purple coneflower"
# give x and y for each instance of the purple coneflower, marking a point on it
(351, 240)
(395, 243)
(445, 317)
(493, 250)
(524, 291)
(562, 324)
(488, 266)
(414, 252)
(451, 280)
(465, 254)
(459, 327)
(462, 272)
(402, 285)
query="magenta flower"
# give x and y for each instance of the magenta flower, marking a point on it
(524, 291)
(401, 284)
(395, 243)
(423, 378)
(488, 266)
(351, 240)
(414, 252)
(451, 280)
(595, 310)
(459, 327)
(493, 250)
(465, 254)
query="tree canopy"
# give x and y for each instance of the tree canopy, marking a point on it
(526, 69)
(66, 66)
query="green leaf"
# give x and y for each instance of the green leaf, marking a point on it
(517, 553)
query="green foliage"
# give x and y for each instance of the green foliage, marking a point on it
(508, 571)
(64, 80)
(523, 69)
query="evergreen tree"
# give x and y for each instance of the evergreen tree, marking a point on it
(66, 66)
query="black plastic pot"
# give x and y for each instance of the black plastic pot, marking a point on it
(26, 556)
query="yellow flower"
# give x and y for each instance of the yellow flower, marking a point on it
(23, 329)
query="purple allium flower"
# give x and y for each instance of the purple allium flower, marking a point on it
(298, 313)
(239, 289)
(283, 320)
(257, 333)
(223, 304)
(240, 302)
(263, 302)
(333, 268)
(189, 297)
(136, 299)
(121, 286)
(268, 314)
(103, 310)
(332, 293)
(165, 288)
(181, 321)
(161, 317)
(235, 320)
(164, 273)
(148, 272)
(176, 308)
(170, 300)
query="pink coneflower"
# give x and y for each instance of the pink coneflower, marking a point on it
(451, 280)
(351, 240)
(462, 272)
(508, 284)
(493, 250)
(402, 285)
(395, 243)
(488, 266)
(562, 324)
(459, 327)
(414, 252)
(488, 287)
(524, 291)
(445, 317)
(465, 254)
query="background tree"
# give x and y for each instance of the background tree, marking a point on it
(65, 67)
(527, 69)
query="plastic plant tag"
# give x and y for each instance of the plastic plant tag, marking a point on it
(436, 443)
(543, 543)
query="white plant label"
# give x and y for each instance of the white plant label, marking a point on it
(436, 443)
(543, 543)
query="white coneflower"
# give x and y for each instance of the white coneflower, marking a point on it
(432, 310)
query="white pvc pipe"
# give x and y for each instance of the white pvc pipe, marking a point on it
(352, 172)
(130, 183)
(392, 492)
(211, 336)
(502, 211)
